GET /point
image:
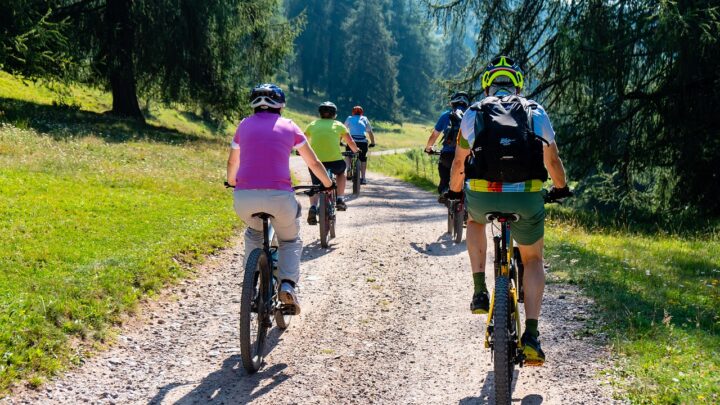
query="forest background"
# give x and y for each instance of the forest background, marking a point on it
(96, 94)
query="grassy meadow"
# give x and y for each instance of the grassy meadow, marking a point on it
(657, 294)
(97, 213)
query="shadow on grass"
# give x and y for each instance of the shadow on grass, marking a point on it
(692, 226)
(63, 122)
(638, 301)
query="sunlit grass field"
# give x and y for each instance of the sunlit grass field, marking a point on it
(96, 213)
(657, 294)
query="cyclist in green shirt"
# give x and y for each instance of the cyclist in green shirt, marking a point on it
(324, 136)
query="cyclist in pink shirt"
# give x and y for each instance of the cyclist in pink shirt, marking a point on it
(259, 169)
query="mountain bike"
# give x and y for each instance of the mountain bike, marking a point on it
(504, 325)
(456, 216)
(353, 173)
(259, 302)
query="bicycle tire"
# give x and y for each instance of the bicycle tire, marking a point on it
(356, 177)
(252, 349)
(324, 221)
(502, 359)
(458, 225)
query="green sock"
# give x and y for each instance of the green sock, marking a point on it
(479, 282)
(531, 326)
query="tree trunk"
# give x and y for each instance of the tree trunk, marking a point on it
(120, 65)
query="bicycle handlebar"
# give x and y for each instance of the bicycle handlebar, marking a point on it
(349, 154)
(310, 190)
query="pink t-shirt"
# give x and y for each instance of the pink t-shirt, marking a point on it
(265, 141)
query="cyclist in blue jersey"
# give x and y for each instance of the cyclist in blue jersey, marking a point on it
(360, 129)
(448, 125)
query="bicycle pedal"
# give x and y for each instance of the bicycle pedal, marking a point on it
(534, 363)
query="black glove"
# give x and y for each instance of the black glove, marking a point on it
(558, 193)
(331, 188)
(429, 150)
(454, 195)
(372, 145)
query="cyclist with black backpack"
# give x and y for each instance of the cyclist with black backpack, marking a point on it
(448, 125)
(505, 151)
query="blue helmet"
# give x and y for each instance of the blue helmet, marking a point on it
(267, 95)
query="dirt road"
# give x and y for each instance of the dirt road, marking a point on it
(385, 320)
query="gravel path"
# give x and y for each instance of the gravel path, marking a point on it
(385, 320)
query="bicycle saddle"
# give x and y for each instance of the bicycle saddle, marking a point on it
(262, 215)
(502, 216)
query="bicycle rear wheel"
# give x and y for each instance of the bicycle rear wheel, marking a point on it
(253, 317)
(324, 221)
(502, 342)
(281, 320)
(356, 177)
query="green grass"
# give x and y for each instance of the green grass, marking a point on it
(659, 297)
(413, 166)
(657, 294)
(96, 213)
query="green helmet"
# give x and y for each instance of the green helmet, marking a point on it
(502, 67)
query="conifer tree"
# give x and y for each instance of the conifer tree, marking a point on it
(372, 78)
(199, 53)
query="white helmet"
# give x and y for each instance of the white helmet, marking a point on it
(267, 95)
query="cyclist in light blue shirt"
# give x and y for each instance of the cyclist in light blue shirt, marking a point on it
(360, 129)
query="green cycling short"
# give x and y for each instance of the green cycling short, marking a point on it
(529, 205)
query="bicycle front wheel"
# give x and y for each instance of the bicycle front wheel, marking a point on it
(324, 221)
(253, 323)
(502, 342)
(458, 225)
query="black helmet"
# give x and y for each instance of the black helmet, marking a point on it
(460, 98)
(327, 108)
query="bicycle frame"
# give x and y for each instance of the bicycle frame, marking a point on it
(266, 271)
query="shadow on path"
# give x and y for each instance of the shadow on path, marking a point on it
(444, 246)
(487, 394)
(231, 384)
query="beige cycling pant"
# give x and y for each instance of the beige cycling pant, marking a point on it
(285, 210)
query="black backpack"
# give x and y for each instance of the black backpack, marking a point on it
(507, 148)
(451, 132)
